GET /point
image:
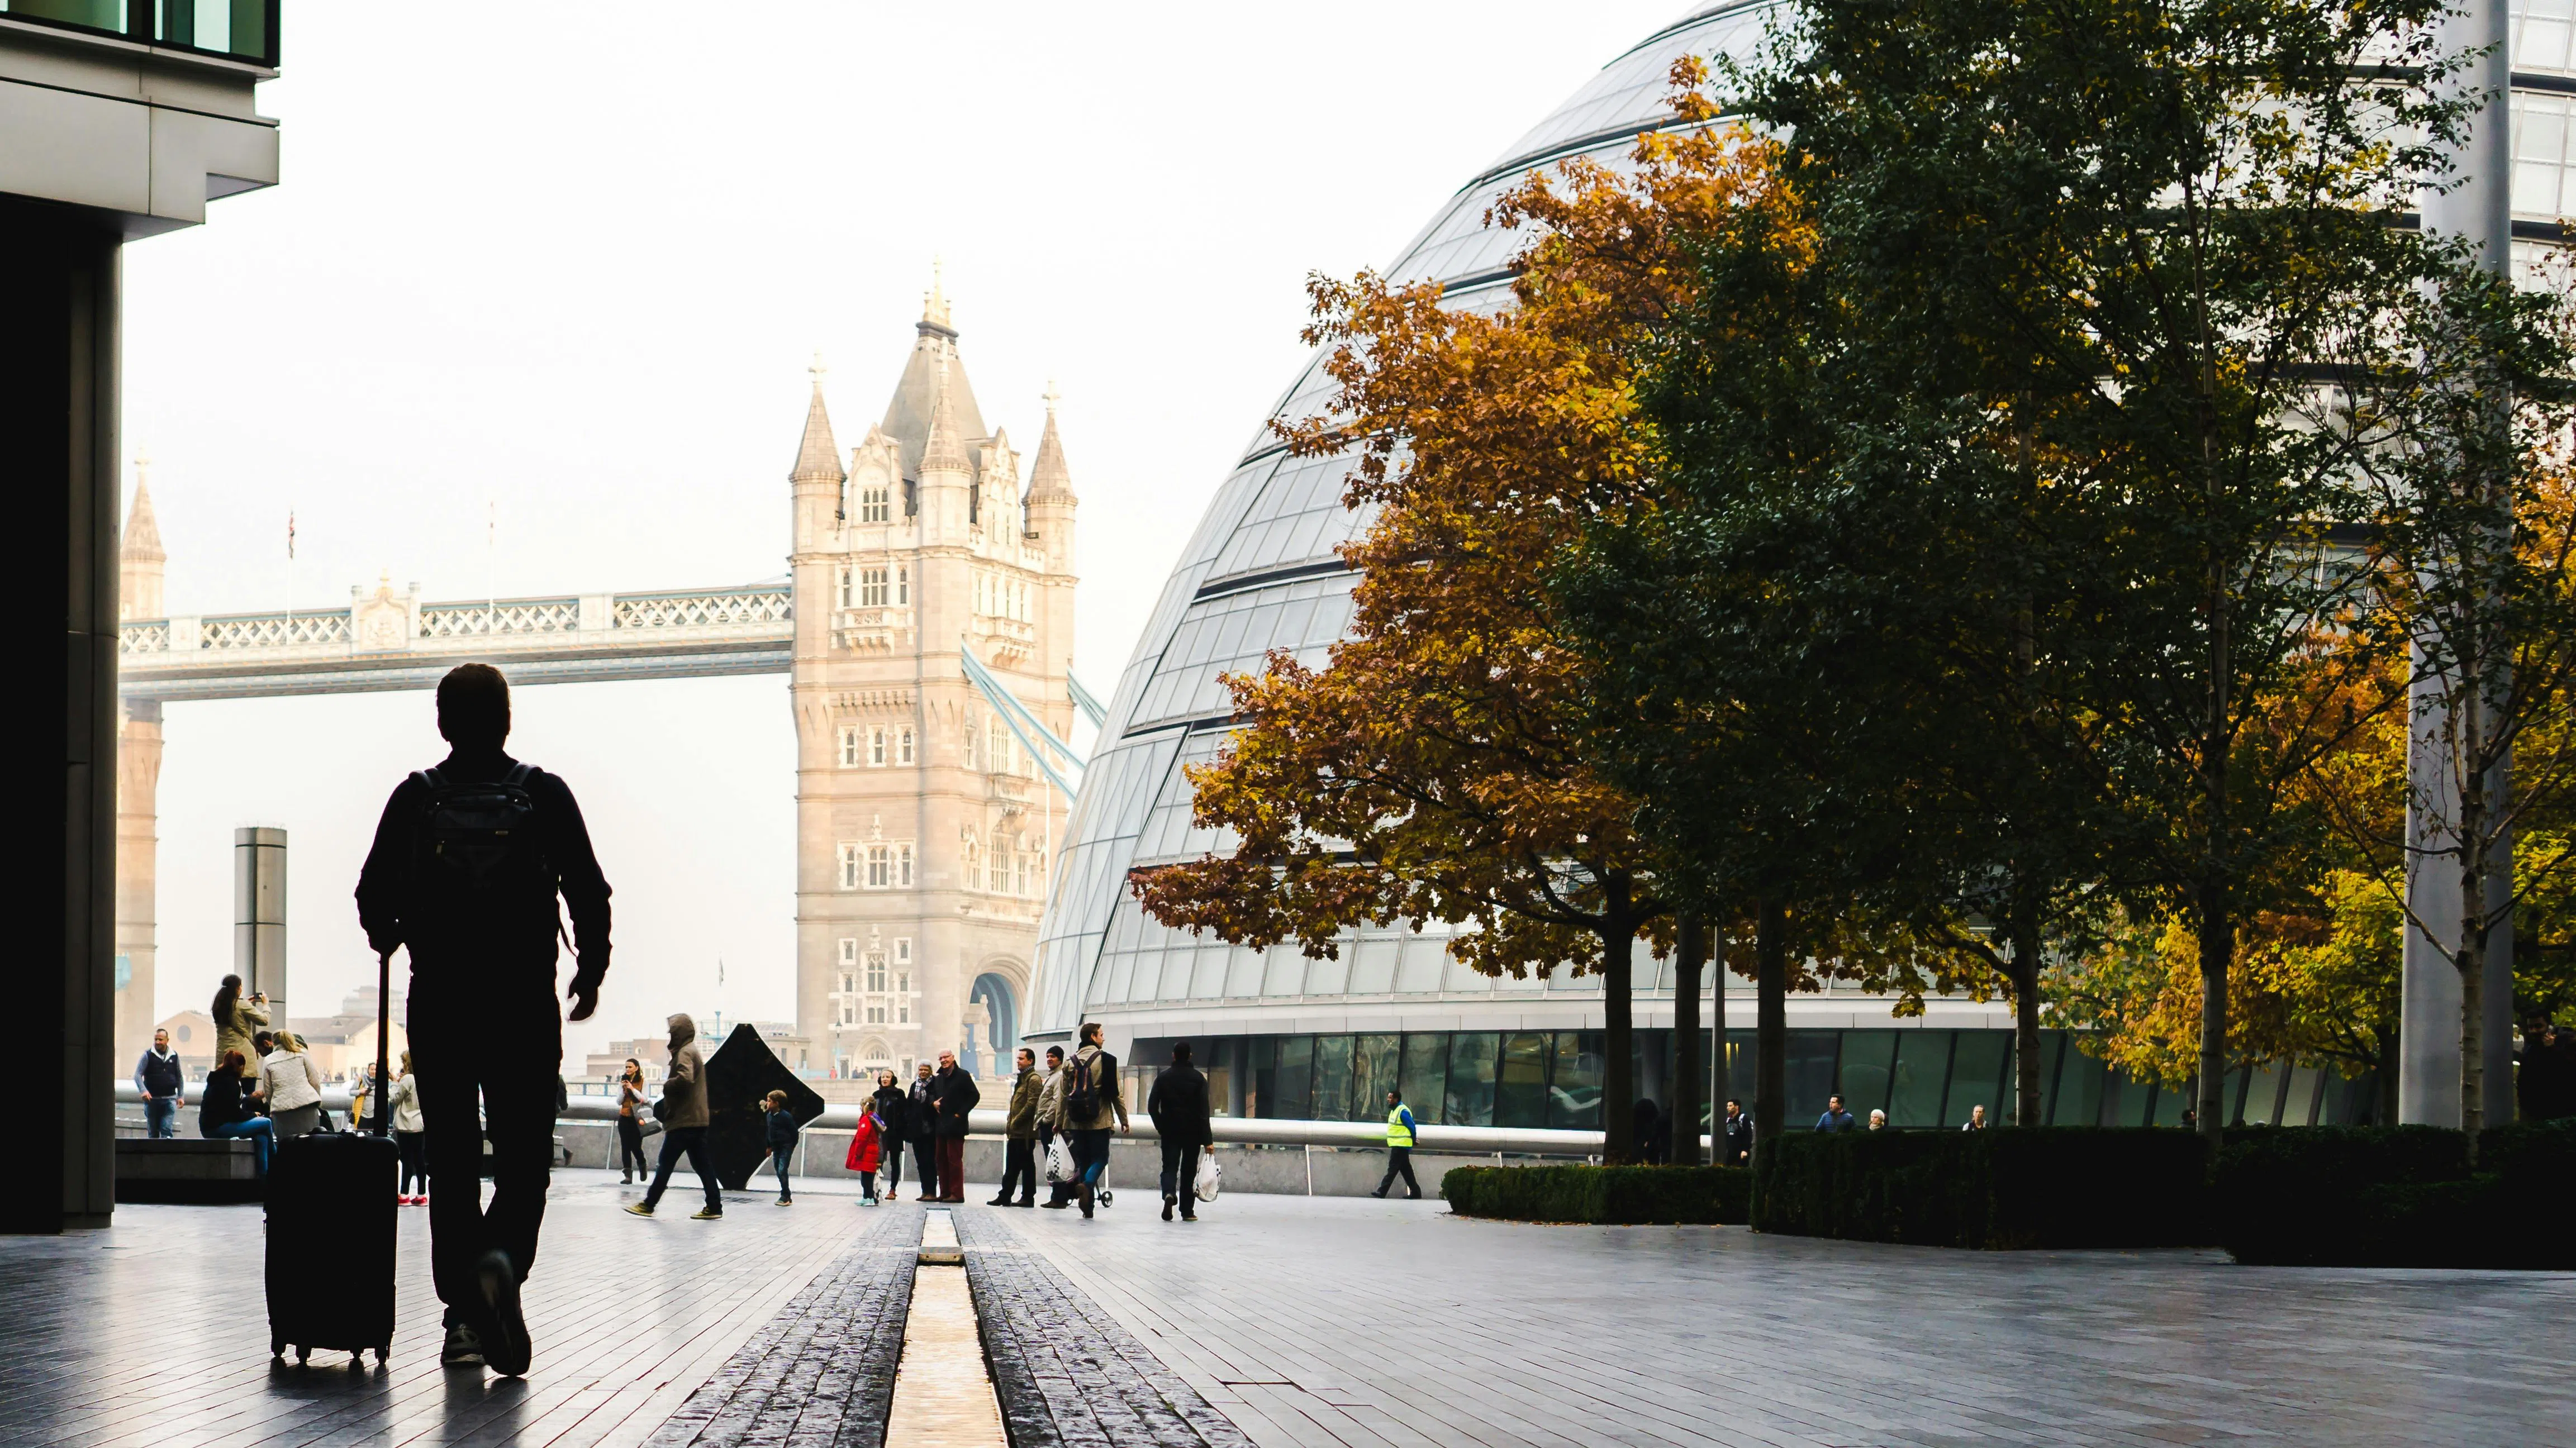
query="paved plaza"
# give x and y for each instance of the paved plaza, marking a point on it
(1295, 1321)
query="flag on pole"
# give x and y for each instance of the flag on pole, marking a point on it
(290, 534)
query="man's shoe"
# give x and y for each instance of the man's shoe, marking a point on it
(463, 1349)
(505, 1344)
(707, 1214)
(1084, 1197)
(1380, 1194)
(641, 1209)
(1051, 1206)
(1415, 1197)
(1169, 1201)
(1026, 1202)
(999, 1202)
(1189, 1216)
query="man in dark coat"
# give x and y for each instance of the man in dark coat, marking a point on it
(955, 1094)
(468, 861)
(891, 1106)
(1739, 1136)
(1020, 1135)
(1179, 1105)
(921, 1129)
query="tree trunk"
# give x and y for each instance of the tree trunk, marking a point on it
(2217, 952)
(1618, 1019)
(1687, 1052)
(2471, 957)
(2025, 984)
(1770, 1025)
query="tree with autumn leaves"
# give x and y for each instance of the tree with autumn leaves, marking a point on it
(1438, 767)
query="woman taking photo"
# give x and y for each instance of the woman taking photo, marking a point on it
(236, 1021)
(630, 1125)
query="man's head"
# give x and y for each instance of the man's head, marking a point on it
(775, 1100)
(1976, 1113)
(1055, 1057)
(921, 1069)
(264, 1042)
(1733, 1108)
(1025, 1058)
(474, 707)
(1180, 1053)
(1090, 1033)
(1833, 1103)
(161, 1040)
(1395, 1098)
(948, 1060)
(1877, 1118)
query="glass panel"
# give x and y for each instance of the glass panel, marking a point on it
(1262, 1095)
(1372, 1076)
(2169, 1104)
(1373, 967)
(1296, 1077)
(1332, 1078)
(1574, 1090)
(2052, 1060)
(2261, 1103)
(96, 14)
(1520, 1090)
(1471, 1079)
(1739, 1071)
(1868, 1059)
(1922, 1069)
(2079, 1088)
(2301, 1108)
(1810, 1076)
(1426, 1061)
(1976, 1075)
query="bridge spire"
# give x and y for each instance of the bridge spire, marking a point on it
(139, 554)
(945, 451)
(1049, 479)
(818, 458)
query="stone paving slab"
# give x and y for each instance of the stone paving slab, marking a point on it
(1332, 1323)
(1068, 1374)
(153, 1333)
(821, 1373)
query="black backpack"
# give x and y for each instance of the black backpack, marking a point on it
(1082, 1095)
(479, 841)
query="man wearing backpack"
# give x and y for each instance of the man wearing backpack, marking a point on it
(1091, 1108)
(467, 864)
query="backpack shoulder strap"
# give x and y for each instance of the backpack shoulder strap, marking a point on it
(430, 778)
(519, 775)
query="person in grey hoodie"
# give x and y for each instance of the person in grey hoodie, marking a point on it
(684, 1125)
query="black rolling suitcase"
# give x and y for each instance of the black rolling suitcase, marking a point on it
(331, 1212)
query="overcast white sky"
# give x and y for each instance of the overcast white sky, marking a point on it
(573, 267)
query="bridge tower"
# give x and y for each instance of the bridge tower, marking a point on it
(924, 833)
(140, 564)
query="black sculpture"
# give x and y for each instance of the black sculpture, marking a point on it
(740, 1077)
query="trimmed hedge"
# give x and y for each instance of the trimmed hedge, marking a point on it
(2402, 1196)
(2013, 1187)
(1617, 1195)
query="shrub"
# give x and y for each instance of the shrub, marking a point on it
(2398, 1197)
(1623, 1195)
(2057, 1186)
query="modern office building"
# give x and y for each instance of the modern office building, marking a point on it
(122, 119)
(1295, 1037)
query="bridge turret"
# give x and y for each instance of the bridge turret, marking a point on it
(139, 559)
(947, 473)
(1051, 501)
(817, 476)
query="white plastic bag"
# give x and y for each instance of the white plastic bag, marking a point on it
(1209, 1174)
(1059, 1167)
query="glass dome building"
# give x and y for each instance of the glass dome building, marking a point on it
(1291, 1037)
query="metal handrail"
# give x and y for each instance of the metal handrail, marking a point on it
(1227, 1130)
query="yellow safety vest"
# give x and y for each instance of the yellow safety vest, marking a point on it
(1396, 1134)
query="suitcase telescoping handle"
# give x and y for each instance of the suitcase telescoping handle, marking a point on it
(379, 1098)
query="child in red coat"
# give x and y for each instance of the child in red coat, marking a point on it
(865, 1143)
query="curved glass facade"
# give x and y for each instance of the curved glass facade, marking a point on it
(1261, 574)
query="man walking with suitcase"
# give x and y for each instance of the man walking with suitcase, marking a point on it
(467, 864)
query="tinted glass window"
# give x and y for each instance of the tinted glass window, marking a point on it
(1574, 1088)
(1471, 1079)
(1868, 1057)
(1372, 1076)
(1811, 1075)
(1426, 1066)
(1520, 1088)
(1976, 1076)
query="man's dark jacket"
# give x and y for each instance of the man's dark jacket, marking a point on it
(512, 937)
(1739, 1140)
(956, 1093)
(1179, 1105)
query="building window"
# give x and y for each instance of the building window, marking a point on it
(880, 867)
(974, 864)
(872, 588)
(876, 972)
(876, 746)
(903, 588)
(873, 505)
(849, 867)
(841, 587)
(903, 745)
(849, 746)
(903, 997)
(971, 732)
(903, 867)
(849, 953)
(997, 746)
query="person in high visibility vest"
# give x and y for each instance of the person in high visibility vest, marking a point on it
(1399, 1147)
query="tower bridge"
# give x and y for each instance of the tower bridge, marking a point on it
(926, 631)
